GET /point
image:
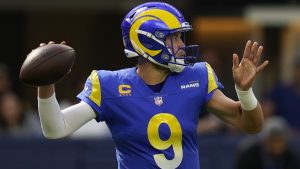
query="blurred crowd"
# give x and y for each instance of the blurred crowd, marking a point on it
(17, 119)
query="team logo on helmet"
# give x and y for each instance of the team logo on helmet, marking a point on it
(152, 14)
(145, 29)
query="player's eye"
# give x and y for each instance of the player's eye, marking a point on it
(175, 37)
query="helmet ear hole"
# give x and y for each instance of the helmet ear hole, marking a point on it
(165, 57)
(159, 35)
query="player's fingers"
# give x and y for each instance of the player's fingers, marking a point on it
(70, 70)
(262, 66)
(235, 61)
(253, 51)
(63, 42)
(42, 44)
(247, 49)
(51, 42)
(258, 55)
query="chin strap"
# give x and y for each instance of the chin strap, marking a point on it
(172, 66)
(176, 67)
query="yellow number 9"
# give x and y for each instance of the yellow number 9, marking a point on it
(174, 140)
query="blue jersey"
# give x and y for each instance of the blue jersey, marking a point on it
(152, 130)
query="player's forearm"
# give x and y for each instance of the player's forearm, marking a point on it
(252, 115)
(252, 120)
(57, 123)
(52, 121)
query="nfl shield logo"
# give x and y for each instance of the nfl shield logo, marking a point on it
(158, 101)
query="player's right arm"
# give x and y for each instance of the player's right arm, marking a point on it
(57, 123)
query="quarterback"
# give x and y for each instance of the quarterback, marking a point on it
(152, 109)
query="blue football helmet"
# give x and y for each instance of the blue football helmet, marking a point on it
(144, 31)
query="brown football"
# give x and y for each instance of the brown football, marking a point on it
(47, 64)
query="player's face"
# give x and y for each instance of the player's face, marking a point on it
(175, 41)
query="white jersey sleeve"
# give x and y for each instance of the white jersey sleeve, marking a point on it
(57, 123)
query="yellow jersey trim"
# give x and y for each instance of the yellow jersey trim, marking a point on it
(95, 95)
(212, 84)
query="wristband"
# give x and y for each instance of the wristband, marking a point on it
(247, 99)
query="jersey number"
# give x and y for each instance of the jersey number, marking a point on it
(175, 140)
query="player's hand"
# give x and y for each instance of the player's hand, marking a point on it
(48, 90)
(51, 42)
(244, 72)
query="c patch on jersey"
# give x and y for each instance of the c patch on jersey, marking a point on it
(124, 90)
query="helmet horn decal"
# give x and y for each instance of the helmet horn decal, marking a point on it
(168, 18)
(134, 37)
(144, 31)
(153, 14)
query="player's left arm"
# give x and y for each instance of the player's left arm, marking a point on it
(246, 114)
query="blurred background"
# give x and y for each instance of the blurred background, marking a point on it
(92, 28)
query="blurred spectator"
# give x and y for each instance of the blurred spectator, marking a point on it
(286, 99)
(5, 81)
(14, 121)
(213, 58)
(271, 151)
(210, 124)
(267, 107)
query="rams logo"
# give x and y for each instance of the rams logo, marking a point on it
(190, 85)
(153, 14)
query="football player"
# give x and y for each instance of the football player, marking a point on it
(152, 109)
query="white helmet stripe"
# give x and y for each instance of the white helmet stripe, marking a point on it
(150, 35)
(130, 54)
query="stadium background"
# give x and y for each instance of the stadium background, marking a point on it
(92, 28)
